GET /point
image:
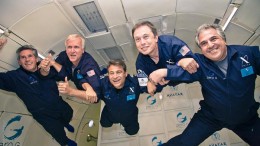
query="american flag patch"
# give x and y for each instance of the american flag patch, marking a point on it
(91, 73)
(184, 50)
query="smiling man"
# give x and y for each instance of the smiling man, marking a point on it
(120, 92)
(227, 75)
(47, 108)
(79, 67)
(157, 52)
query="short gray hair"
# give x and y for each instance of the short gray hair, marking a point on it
(204, 27)
(73, 36)
(26, 47)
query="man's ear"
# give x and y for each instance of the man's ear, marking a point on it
(19, 62)
(156, 38)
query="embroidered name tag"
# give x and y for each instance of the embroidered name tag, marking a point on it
(247, 71)
(130, 97)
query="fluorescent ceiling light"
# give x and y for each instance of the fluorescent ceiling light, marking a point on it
(91, 17)
(40, 55)
(232, 8)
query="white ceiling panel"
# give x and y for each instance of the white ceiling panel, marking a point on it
(192, 21)
(256, 42)
(235, 34)
(2, 70)
(168, 23)
(157, 22)
(214, 8)
(248, 14)
(121, 34)
(4, 66)
(67, 7)
(131, 51)
(255, 38)
(113, 11)
(12, 10)
(169, 33)
(102, 41)
(188, 36)
(57, 47)
(112, 53)
(49, 26)
(90, 49)
(131, 68)
(8, 59)
(138, 9)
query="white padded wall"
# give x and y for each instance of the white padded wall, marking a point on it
(162, 119)
(14, 128)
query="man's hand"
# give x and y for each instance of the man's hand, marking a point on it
(51, 60)
(64, 87)
(45, 64)
(91, 95)
(164, 82)
(3, 41)
(53, 63)
(158, 75)
(189, 64)
(151, 88)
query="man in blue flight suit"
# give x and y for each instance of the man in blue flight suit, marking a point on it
(227, 75)
(120, 93)
(157, 52)
(47, 108)
(79, 66)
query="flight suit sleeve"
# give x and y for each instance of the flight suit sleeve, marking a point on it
(100, 91)
(143, 72)
(256, 54)
(7, 82)
(64, 72)
(181, 50)
(177, 74)
(174, 48)
(91, 73)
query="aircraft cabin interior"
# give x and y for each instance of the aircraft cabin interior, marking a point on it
(106, 26)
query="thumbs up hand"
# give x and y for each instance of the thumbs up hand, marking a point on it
(64, 87)
(51, 60)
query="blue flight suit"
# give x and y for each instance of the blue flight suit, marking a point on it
(171, 49)
(120, 104)
(87, 70)
(228, 100)
(41, 97)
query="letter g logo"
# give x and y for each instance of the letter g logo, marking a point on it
(13, 133)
